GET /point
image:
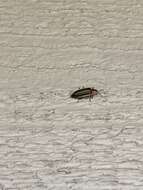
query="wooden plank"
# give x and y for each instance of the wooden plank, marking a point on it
(49, 49)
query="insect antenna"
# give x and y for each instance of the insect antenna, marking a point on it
(101, 92)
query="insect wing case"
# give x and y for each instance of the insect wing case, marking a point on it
(82, 93)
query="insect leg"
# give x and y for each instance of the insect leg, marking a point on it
(90, 97)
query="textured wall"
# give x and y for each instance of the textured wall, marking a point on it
(49, 48)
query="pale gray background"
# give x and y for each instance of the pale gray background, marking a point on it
(49, 48)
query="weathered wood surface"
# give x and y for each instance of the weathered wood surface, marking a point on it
(48, 48)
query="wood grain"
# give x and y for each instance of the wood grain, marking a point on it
(48, 49)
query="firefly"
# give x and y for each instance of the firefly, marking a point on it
(84, 93)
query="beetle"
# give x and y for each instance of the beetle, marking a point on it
(84, 93)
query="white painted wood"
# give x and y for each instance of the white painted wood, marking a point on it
(49, 48)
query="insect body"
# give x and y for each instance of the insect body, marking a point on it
(84, 93)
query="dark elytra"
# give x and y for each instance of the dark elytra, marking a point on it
(84, 93)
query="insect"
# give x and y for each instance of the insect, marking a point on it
(84, 93)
